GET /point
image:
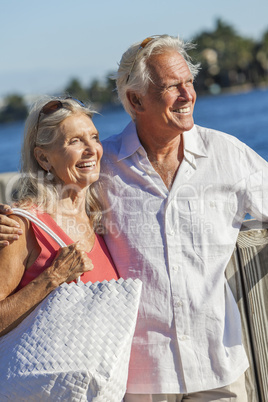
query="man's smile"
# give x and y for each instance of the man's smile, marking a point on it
(182, 110)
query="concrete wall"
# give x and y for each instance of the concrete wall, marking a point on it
(7, 185)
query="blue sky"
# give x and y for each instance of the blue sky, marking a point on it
(43, 44)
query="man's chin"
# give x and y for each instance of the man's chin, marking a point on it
(186, 127)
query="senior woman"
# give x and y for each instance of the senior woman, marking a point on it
(60, 161)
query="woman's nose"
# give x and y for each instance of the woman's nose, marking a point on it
(89, 148)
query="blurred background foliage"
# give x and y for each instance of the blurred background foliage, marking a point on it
(228, 62)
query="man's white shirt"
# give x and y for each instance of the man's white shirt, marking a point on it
(178, 242)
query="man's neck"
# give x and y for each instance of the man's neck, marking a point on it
(165, 156)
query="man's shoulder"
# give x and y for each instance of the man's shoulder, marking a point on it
(111, 149)
(112, 142)
(216, 138)
(122, 144)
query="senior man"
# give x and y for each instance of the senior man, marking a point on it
(174, 197)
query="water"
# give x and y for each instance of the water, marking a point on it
(242, 115)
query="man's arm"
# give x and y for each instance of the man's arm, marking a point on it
(10, 230)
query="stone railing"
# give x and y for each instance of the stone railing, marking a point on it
(7, 181)
(247, 276)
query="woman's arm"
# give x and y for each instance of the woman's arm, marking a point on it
(69, 263)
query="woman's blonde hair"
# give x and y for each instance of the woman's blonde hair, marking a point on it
(36, 187)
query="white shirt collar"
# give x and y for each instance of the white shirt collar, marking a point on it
(193, 144)
(130, 142)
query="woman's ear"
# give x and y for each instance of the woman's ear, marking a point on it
(135, 101)
(41, 157)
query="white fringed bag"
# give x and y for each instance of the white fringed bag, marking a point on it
(75, 346)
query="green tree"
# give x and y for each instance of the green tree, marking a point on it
(225, 56)
(103, 93)
(14, 109)
(111, 89)
(95, 91)
(75, 89)
(260, 66)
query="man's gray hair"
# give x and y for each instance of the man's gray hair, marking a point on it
(133, 73)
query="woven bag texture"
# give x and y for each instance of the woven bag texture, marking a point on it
(75, 346)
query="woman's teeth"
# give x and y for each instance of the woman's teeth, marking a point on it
(86, 164)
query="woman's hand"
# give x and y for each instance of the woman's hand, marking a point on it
(70, 263)
(9, 229)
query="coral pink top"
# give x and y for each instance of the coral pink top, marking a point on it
(104, 267)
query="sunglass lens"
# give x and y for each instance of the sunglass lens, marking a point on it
(52, 106)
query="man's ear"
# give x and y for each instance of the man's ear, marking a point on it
(135, 101)
(41, 157)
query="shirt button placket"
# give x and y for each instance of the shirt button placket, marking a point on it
(175, 264)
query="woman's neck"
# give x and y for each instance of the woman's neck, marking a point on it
(70, 214)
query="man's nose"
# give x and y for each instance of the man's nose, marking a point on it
(185, 93)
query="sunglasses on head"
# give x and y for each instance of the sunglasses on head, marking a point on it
(54, 105)
(143, 44)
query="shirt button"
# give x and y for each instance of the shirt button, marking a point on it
(212, 204)
(184, 338)
(178, 303)
(175, 268)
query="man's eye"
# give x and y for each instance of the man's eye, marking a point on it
(172, 87)
(74, 140)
